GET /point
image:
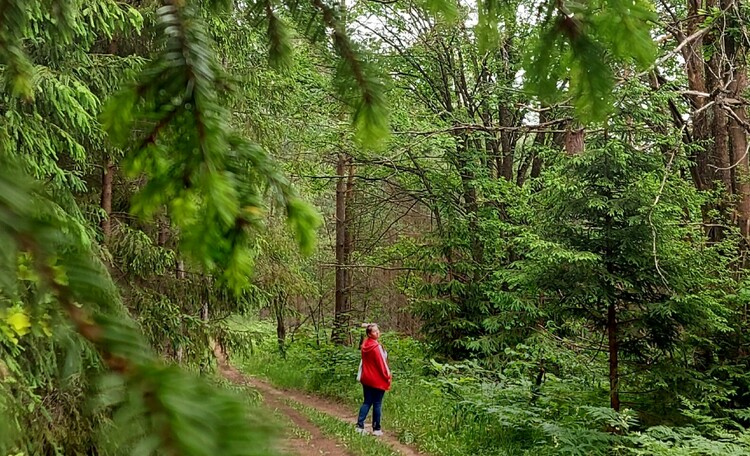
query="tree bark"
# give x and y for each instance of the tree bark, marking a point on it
(539, 141)
(279, 306)
(204, 311)
(719, 152)
(469, 193)
(163, 235)
(738, 138)
(108, 170)
(717, 139)
(695, 67)
(574, 141)
(614, 374)
(507, 142)
(342, 308)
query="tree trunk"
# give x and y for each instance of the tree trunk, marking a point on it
(539, 141)
(280, 331)
(344, 186)
(717, 140)
(163, 235)
(464, 166)
(574, 141)
(108, 171)
(694, 64)
(179, 274)
(180, 269)
(738, 137)
(719, 153)
(279, 305)
(507, 143)
(204, 311)
(614, 375)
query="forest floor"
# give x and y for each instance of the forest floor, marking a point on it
(303, 437)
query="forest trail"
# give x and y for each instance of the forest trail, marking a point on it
(318, 443)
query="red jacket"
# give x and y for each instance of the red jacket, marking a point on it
(374, 371)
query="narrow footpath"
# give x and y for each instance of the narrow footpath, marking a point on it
(317, 444)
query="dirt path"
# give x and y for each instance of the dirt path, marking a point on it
(318, 444)
(341, 412)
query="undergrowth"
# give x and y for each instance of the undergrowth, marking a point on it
(463, 408)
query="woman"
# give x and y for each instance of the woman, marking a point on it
(375, 377)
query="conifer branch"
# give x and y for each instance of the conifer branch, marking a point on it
(357, 83)
(279, 38)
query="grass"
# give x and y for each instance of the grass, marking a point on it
(285, 422)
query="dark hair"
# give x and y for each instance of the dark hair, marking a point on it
(370, 327)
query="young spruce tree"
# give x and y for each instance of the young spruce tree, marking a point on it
(619, 261)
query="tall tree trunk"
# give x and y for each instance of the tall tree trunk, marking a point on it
(469, 193)
(614, 374)
(719, 155)
(279, 306)
(507, 142)
(692, 53)
(342, 307)
(180, 275)
(719, 152)
(738, 137)
(539, 141)
(737, 69)
(108, 170)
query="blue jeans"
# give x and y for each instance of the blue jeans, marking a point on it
(374, 399)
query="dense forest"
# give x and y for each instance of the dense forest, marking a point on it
(544, 204)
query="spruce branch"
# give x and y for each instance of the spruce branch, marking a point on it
(279, 38)
(212, 181)
(19, 69)
(357, 83)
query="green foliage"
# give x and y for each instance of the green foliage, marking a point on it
(279, 38)
(210, 180)
(462, 408)
(471, 311)
(60, 61)
(18, 68)
(53, 128)
(609, 213)
(507, 267)
(446, 9)
(577, 46)
(186, 415)
(155, 406)
(357, 82)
